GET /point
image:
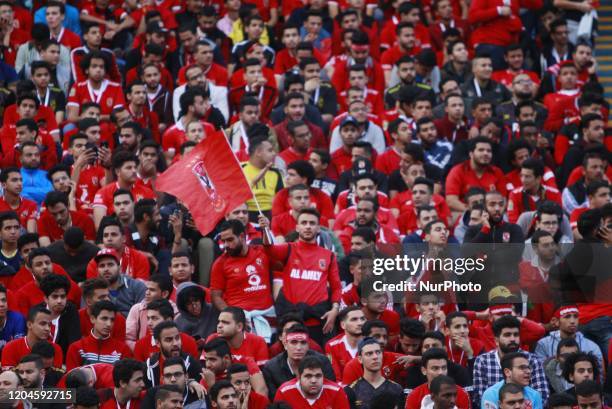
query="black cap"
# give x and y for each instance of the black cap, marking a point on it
(156, 27)
(349, 120)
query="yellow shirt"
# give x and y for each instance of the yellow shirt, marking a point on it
(237, 34)
(265, 189)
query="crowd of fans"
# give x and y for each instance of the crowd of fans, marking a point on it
(365, 129)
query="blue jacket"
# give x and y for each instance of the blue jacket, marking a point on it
(71, 22)
(547, 346)
(35, 184)
(490, 398)
(14, 328)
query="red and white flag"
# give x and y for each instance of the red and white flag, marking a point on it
(208, 180)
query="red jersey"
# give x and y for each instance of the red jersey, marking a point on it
(388, 161)
(390, 370)
(419, 394)
(257, 401)
(309, 272)
(506, 76)
(12, 156)
(133, 264)
(253, 346)
(347, 198)
(27, 210)
(374, 71)
(384, 217)
(390, 56)
(462, 177)
(284, 62)
(90, 181)
(86, 326)
(244, 281)
(339, 353)
(372, 98)
(561, 105)
(45, 118)
(18, 348)
(407, 221)
(67, 38)
(145, 347)
(131, 404)
(147, 120)
(342, 160)
(104, 196)
(108, 97)
(47, 226)
(174, 136)
(458, 355)
(24, 276)
(103, 376)
(322, 202)
(30, 295)
(533, 281)
(520, 201)
(576, 213)
(388, 36)
(332, 396)
(91, 350)
(290, 155)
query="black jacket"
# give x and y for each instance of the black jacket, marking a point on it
(153, 375)
(276, 371)
(69, 331)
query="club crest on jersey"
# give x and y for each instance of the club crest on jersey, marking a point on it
(109, 102)
(322, 264)
(506, 237)
(208, 187)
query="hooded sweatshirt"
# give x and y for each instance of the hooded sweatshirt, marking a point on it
(204, 324)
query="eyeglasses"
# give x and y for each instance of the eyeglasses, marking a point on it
(175, 375)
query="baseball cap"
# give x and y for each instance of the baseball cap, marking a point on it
(107, 253)
(499, 292)
(156, 27)
(349, 120)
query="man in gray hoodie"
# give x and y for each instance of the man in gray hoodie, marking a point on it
(196, 317)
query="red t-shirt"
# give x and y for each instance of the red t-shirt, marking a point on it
(390, 57)
(18, 348)
(290, 155)
(47, 226)
(332, 396)
(27, 210)
(30, 295)
(103, 376)
(506, 77)
(253, 346)
(244, 281)
(90, 181)
(322, 202)
(339, 354)
(462, 177)
(109, 96)
(388, 161)
(390, 370)
(104, 196)
(68, 38)
(418, 394)
(174, 136)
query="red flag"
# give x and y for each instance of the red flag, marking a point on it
(208, 180)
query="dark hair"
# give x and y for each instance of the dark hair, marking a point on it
(175, 360)
(85, 396)
(57, 168)
(54, 197)
(413, 328)
(594, 186)
(236, 368)
(588, 388)
(505, 321)
(37, 252)
(162, 306)
(304, 169)
(164, 391)
(35, 310)
(217, 387)
(103, 305)
(144, 207)
(163, 281)
(310, 211)
(438, 381)
(94, 54)
(124, 369)
(560, 399)
(507, 360)
(37, 359)
(92, 284)
(538, 234)
(27, 239)
(235, 226)
(219, 346)
(237, 314)
(44, 349)
(54, 282)
(433, 353)
(37, 65)
(588, 118)
(434, 335)
(455, 314)
(297, 329)
(180, 254)
(310, 362)
(120, 192)
(365, 233)
(255, 143)
(366, 330)
(573, 359)
(535, 165)
(287, 318)
(588, 222)
(159, 328)
(567, 343)
(108, 221)
(122, 157)
(511, 388)
(479, 139)
(7, 171)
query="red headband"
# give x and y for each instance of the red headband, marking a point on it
(296, 336)
(501, 309)
(568, 309)
(356, 47)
